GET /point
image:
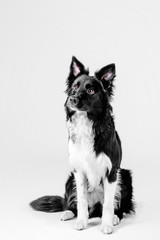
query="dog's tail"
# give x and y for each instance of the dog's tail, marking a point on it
(49, 204)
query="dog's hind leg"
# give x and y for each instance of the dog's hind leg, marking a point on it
(67, 215)
(116, 220)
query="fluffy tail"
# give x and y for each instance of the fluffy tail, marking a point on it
(49, 204)
(127, 202)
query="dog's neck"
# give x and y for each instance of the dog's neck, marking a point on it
(100, 123)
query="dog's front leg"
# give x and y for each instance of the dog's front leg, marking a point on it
(82, 204)
(108, 206)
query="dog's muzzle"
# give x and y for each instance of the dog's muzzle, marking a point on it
(76, 103)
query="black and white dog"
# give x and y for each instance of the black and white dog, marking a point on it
(97, 186)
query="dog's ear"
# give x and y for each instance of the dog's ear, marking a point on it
(76, 69)
(106, 75)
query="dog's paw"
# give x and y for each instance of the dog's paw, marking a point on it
(67, 215)
(107, 229)
(81, 224)
(116, 220)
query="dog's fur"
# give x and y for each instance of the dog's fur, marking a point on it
(97, 187)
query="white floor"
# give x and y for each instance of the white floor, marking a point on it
(22, 183)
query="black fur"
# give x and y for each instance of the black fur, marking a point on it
(108, 85)
(69, 201)
(71, 76)
(48, 204)
(98, 109)
(93, 95)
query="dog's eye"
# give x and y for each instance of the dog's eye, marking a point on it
(75, 87)
(90, 91)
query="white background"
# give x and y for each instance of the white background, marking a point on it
(37, 41)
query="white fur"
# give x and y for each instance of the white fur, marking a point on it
(108, 206)
(82, 203)
(81, 153)
(66, 215)
(116, 220)
(90, 169)
(95, 196)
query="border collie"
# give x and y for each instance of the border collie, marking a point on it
(97, 186)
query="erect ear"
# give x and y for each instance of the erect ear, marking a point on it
(106, 75)
(76, 69)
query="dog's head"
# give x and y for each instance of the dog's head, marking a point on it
(89, 93)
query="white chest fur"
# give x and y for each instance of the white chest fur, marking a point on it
(81, 150)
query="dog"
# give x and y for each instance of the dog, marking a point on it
(97, 186)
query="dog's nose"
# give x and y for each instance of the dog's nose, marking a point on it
(73, 100)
